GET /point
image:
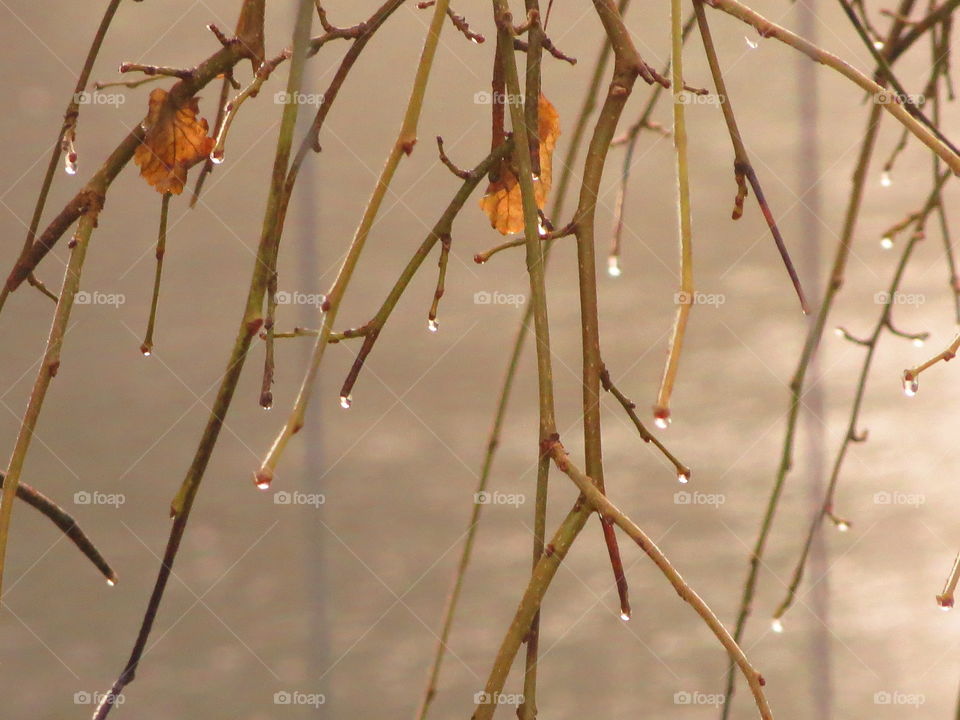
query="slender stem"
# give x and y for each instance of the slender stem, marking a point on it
(742, 165)
(945, 599)
(250, 323)
(888, 101)
(48, 369)
(147, 347)
(403, 146)
(67, 524)
(661, 410)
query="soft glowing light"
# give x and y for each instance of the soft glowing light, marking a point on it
(843, 526)
(886, 242)
(918, 342)
(613, 266)
(346, 401)
(776, 625)
(878, 45)
(885, 179)
(624, 616)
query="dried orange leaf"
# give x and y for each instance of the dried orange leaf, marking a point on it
(176, 140)
(502, 201)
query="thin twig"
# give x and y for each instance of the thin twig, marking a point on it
(147, 347)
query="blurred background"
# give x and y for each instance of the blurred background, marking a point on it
(342, 599)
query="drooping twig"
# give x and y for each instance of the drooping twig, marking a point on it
(884, 322)
(911, 381)
(147, 347)
(63, 520)
(741, 163)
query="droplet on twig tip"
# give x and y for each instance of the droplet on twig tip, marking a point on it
(885, 179)
(777, 625)
(683, 476)
(346, 401)
(613, 266)
(262, 479)
(918, 342)
(433, 325)
(886, 242)
(625, 616)
(911, 384)
(843, 526)
(661, 417)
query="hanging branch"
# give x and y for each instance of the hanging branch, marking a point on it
(890, 102)
(741, 163)
(911, 381)
(884, 322)
(66, 144)
(661, 410)
(48, 369)
(147, 347)
(65, 522)
(811, 343)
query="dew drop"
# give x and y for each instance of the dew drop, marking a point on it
(878, 45)
(886, 242)
(661, 418)
(885, 179)
(777, 625)
(262, 479)
(624, 616)
(752, 44)
(70, 163)
(216, 157)
(111, 582)
(346, 401)
(263, 485)
(683, 476)
(613, 266)
(432, 326)
(843, 526)
(945, 604)
(918, 342)
(911, 384)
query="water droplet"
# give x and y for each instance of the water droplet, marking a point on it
(625, 616)
(263, 478)
(752, 44)
(613, 266)
(70, 163)
(886, 242)
(216, 157)
(661, 418)
(946, 604)
(433, 325)
(683, 476)
(777, 625)
(878, 45)
(541, 228)
(843, 525)
(111, 582)
(911, 384)
(263, 485)
(918, 342)
(838, 332)
(346, 401)
(885, 179)
(475, 40)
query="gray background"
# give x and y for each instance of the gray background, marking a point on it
(345, 600)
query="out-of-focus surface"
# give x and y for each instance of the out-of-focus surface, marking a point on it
(344, 599)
